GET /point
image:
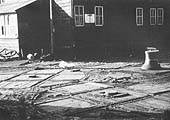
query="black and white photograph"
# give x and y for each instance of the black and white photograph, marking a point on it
(84, 59)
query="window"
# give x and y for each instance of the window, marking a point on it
(2, 1)
(156, 16)
(152, 16)
(8, 26)
(79, 15)
(99, 16)
(160, 16)
(139, 16)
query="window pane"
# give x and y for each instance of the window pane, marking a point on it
(160, 12)
(152, 21)
(139, 12)
(12, 19)
(2, 23)
(159, 20)
(3, 30)
(100, 11)
(2, 20)
(97, 11)
(97, 19)
(77, 20)
(6, 19)
(81, 20)
(139, 21)
(81, 10)
(76, 11)
(2, 1)
(153, 12)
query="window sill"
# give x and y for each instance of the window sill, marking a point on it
(8, 37)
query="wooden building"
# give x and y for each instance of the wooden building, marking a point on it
(93, 28)
(114, 27)
(31, 25)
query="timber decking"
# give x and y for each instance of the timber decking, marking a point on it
(68, 92)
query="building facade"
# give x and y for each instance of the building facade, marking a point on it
(25, 26)
(101, 28)
(91, 28)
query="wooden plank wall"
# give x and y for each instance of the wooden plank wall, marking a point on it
(64, 28)
(11, 44)
(34, 27)
(65, 5)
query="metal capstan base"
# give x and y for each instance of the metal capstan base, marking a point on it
(151, 59)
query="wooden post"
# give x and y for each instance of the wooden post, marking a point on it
(51, 28)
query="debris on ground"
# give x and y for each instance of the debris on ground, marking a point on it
(47, 57)
(7, 54)
(60, 90)
(19, 105)
(64, 64)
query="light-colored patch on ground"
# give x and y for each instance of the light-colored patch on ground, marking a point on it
(66, 106)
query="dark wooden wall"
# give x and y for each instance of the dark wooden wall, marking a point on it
(90, 40)
(34, 27)
(64, 29)
(120, 36)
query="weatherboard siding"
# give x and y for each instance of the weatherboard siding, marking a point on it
(63, 28)
(119, 35)
(34, 27)
(65, 5)
(10, 44)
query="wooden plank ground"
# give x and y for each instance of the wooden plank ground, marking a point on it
(45, 71)
(4, 76)
(27, 77)
(80, 88)
(138, 69)
(116, 65)
(150, 88)
(66, 106)
(111, 96)
(83, 95)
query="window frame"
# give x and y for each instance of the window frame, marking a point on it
(139, 16)
(79, 15)
(2, 1)
(100, 16)
(6, 26)
(162, 16)
(3, 27)
(153, 16)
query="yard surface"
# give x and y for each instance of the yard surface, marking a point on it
(83, 91)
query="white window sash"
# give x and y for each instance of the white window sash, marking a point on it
(153, 17)
(2, 1)
(8, 26)
(79, 18)
(99, 19)
(139, 18)
(2, 31)
(2, 26)
(160, 17)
